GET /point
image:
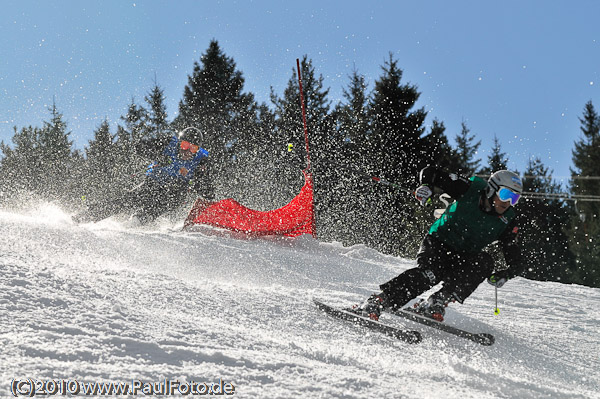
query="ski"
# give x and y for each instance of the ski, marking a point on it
(409, 336)
(480, 338)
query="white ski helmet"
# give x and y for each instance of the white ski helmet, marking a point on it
(504, 178)
(191, 134)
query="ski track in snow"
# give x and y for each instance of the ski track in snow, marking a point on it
(111, 302)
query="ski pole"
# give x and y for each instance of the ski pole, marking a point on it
(394, 185)
(374, 178)
(496, 310)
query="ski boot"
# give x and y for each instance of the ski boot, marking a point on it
(434, 308)
(372, 307)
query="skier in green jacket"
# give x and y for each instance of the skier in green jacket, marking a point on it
(452, 251)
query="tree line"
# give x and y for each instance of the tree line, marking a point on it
(257, 152)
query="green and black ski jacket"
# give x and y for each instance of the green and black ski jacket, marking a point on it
(465, 226)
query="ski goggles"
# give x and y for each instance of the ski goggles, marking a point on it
(186, 145)
(506, 194)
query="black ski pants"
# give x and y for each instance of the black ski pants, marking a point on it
(460, 272)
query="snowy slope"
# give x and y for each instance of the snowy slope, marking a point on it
(111, 302)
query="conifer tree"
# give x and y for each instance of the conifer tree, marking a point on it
(101, 164)
(214, 103)
(135, 148)
(56, 156)
(351, 211)
(135, 124)
(126, 163)
(99, 148)
(157, 124)
(150, 130)
(585, 223)
(41, 162)
(438, 150)
(466, 149)
(257, 154)
(396, 149)
(352, 117)
(21, 166)
(396, 152)
(264, 141)
(544, 244)
(497, 160)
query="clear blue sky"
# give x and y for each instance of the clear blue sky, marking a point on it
(520, 70)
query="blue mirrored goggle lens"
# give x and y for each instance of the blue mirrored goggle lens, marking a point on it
(506, 194)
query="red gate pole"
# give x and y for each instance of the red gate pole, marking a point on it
(303, 116)
(308, 169)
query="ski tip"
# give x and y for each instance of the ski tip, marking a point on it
(484, 339)
(323, 306)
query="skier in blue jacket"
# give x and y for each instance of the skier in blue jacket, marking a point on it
(164, 187)
(452, 251)
(184, 158)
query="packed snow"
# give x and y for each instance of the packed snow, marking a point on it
(115, 302)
